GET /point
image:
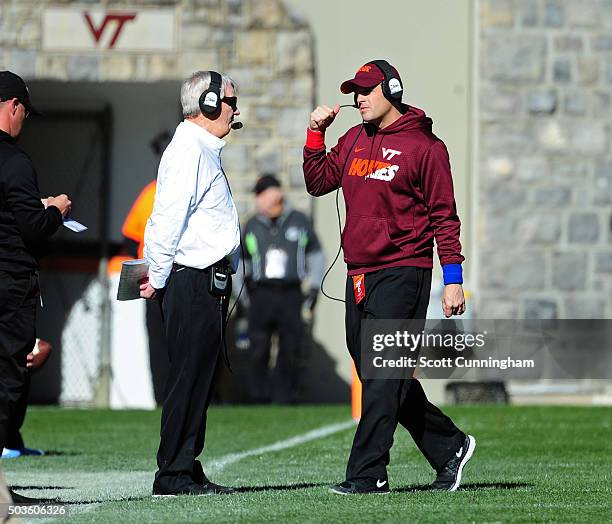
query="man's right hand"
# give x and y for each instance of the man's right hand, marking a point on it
(147, 290)
(61, 202)
(322, 117)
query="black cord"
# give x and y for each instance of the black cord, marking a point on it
(337, 254)
(339, 220)
(243, 277)
(227, 319)
(225, 322)
(223, 337)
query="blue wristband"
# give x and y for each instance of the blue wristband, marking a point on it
(453, 274)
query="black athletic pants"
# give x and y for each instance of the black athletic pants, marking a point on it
(275, 309)
(192, 323)
(158, 350)
(14, 440)
(18, 298)
(394, 293)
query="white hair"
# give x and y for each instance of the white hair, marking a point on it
(195, 85)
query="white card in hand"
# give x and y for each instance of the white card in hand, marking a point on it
(73, 225)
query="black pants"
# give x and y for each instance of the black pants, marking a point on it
(394, 293)
(14, 440)
(158, 350)
(192, 323)
(18, 299)
(275, 310)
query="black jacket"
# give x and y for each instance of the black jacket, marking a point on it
(25, 224)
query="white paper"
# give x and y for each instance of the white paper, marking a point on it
(133, 272)
(73, 225)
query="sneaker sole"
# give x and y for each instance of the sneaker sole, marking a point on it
(335, 492)
(468, 456)
(192, 494)
(185, 495)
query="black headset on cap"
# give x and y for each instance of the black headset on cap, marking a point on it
(392, 86)
(210, 100)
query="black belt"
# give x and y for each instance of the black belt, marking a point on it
(180, 267)
(177, 267)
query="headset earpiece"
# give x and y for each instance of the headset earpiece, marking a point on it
(392, 86)
(210, 100)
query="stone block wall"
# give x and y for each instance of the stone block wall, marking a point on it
(544, 231)
(264, 46)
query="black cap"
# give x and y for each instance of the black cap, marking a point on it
(13, 86)
(264, 182)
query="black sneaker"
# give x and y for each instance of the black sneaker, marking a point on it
(195, 490)
(361, 486)
(449, 477)
(22, 499)
(216, 489)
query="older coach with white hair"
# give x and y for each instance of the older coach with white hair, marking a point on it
(191, 245)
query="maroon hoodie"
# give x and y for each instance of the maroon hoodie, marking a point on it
(398, 190)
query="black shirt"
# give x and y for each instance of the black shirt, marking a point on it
(25, 224)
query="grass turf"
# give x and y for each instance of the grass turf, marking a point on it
(532, 464)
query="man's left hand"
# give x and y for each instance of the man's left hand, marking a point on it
(453, 301)
(147, 290)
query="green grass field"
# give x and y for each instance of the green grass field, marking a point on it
(532, 464)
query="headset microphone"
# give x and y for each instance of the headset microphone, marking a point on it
(355, 106)
(237, 125)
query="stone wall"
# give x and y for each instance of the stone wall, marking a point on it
(265, 47)
(544, 234)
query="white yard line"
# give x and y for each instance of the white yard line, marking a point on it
(110, 486)
(219, 464)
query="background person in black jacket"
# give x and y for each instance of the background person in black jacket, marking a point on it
(26, 222)
(281, 251)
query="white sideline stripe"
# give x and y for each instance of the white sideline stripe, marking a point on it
(218, 464)
(108, 486)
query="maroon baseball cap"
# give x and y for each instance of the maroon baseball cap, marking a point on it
(368, 75)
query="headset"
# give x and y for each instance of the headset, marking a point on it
(210, 100)
(392, 86)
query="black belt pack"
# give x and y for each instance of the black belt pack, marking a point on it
(219, 279)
